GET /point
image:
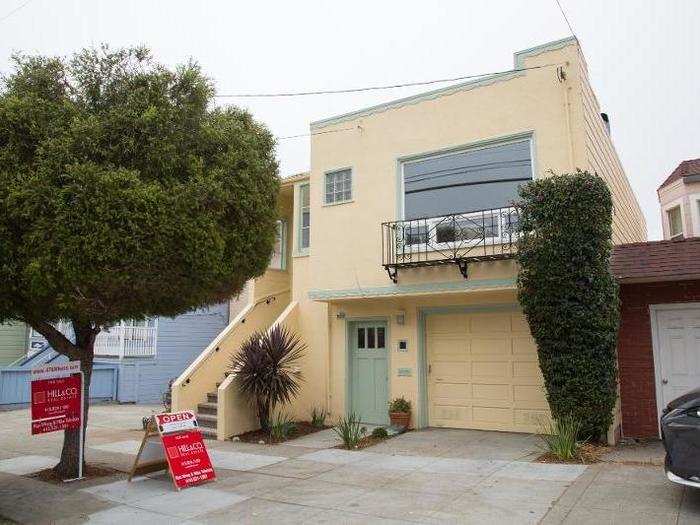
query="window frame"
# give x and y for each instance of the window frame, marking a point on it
(474, 146)
(301, 250)
(325, 183)
(670, 210)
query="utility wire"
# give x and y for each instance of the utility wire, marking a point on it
(8, 15)
(377, 88)
(317, 133)
(566, 19)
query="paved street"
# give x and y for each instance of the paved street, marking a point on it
(432, 476)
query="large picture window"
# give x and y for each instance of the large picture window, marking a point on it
(473, 179)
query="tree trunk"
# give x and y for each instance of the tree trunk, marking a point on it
(68, 466)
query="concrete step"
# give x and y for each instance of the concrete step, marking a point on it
(212, 397)
(207, 420)
(208, 433)
(206, 408)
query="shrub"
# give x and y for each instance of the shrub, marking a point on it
(399, 404)
(350, 430)
(560, 437)
(266, 367)
(569, 296)
(318, 417)
(281, 427)
(380, 432)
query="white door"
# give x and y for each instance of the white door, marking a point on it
(677, 351)
(483, 372)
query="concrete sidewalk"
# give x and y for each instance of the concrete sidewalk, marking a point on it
(430, 476)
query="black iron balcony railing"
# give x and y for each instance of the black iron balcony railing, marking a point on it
(461, 238)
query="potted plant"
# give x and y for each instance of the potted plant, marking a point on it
(400, 412)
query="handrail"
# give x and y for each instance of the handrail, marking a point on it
(230, 328)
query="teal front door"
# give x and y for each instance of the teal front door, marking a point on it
(369, 372)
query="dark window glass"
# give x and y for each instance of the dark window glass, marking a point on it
(475, 179)
(380, 337)
(360, 338)
(370, 338)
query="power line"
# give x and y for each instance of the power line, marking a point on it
(566, 19)
(8, 15)
(377, 88)
(316, 133)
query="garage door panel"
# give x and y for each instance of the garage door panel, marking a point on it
(524, 345)
(452, 394)
(489, 346)
(451, 371)
(489, 414)
(455, 348)
(527, 372)
(536, 420)
(490, 369)
(454, 416)
(486, 376)
(496, 395)
(529, 396)
(448, 323)
(519, 324)
(489, 323)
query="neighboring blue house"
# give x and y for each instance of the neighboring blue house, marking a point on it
(146, 355)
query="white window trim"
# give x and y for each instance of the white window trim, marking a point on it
(694, 199)
(298, 250)
(678, 203)
(352, 186)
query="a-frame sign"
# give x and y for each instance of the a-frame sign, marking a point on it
(173, 441)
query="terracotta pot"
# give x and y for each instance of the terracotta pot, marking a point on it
(400, 419)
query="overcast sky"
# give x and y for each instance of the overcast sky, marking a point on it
(643, 57)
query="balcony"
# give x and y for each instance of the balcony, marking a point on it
(126, 339)
(461, 238)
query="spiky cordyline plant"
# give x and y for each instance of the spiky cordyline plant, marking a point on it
(267, 371)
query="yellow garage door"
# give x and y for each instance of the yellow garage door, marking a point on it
(483, 372)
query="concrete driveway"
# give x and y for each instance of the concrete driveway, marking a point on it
(431, 476)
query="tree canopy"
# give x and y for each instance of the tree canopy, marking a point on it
(124, 193)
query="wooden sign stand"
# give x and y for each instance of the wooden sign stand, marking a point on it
(150, 458)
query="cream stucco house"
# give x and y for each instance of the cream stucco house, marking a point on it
(394, 260)
(679, 197)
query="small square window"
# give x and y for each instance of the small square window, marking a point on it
(338, 186)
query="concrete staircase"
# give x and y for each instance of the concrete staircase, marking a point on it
(206, 415)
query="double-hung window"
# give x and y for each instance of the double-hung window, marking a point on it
(338, 187)
(304, 218)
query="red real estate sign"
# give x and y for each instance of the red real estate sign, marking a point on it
(56, 403)
(188, 458)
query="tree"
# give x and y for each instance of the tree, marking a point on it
(569, 296)
(124, 194)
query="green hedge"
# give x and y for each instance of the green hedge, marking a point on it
(569, 296)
